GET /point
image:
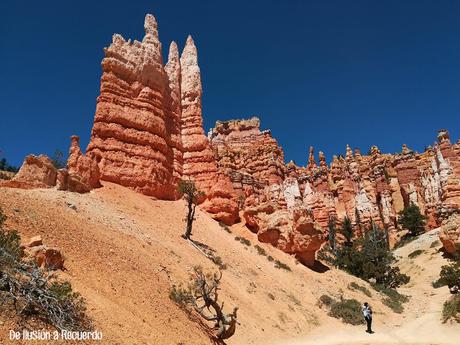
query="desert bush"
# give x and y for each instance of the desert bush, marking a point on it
(450, 274)
(326, 300)
(393, 299)
(260, 250)
(415, 253)
(219, 262)
(202, 297)
(243, 240)
(349, 310)
(270, 258)
(411, 219)
(435, 244)
(225, 227)
(451, 309)
(363, 289)
(32, 293)
(271, 296)
(281, 265)
(394, 305)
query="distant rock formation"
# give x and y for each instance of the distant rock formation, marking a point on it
(363, 187)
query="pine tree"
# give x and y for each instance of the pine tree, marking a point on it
(410, 218)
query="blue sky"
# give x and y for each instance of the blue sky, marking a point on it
(320, 73)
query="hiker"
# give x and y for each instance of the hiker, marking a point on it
(367, 312)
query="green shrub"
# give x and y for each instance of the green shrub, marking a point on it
(281, 265)
(243, 241)
(393, 300)
(260, 250)
(415, 253)
(451, 309)
(349, 310)
(391, 293)
(326, 300)
(394, 305)
(450, 274)
(363, 289)
(225, 227)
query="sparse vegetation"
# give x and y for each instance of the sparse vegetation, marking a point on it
(201, 296)
(363, 289)
(326, 300)
(415, 253)
(225, 227)
(5, 166)
(410, 218)
(294, 299)
(450, 274)
(451, 309)
(349, 310)
(270, 258)
(243, 241)
(281, 265)
(32, 293)
(260, 250)
(367, 258)
(189, 191)
(435, 244)
(393, 299)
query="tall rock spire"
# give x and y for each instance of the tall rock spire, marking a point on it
(173, 71)
(151, 42)
(199, 162)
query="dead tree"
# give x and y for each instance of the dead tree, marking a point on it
(202, 296)
(189, 191)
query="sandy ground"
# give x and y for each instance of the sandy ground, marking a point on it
(124, 252)
(421, 317)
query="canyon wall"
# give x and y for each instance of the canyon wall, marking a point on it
(362, 187)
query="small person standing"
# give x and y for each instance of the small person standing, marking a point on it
(367, 312)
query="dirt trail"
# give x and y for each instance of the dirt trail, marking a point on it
(421, 319)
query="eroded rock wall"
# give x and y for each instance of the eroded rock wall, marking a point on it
(365, 188)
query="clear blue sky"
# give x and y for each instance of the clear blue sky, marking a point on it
(321, 73)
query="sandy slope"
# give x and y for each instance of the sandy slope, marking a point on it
(124, 252)
(421, 318)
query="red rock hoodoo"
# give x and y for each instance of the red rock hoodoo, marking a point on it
(148, 128)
